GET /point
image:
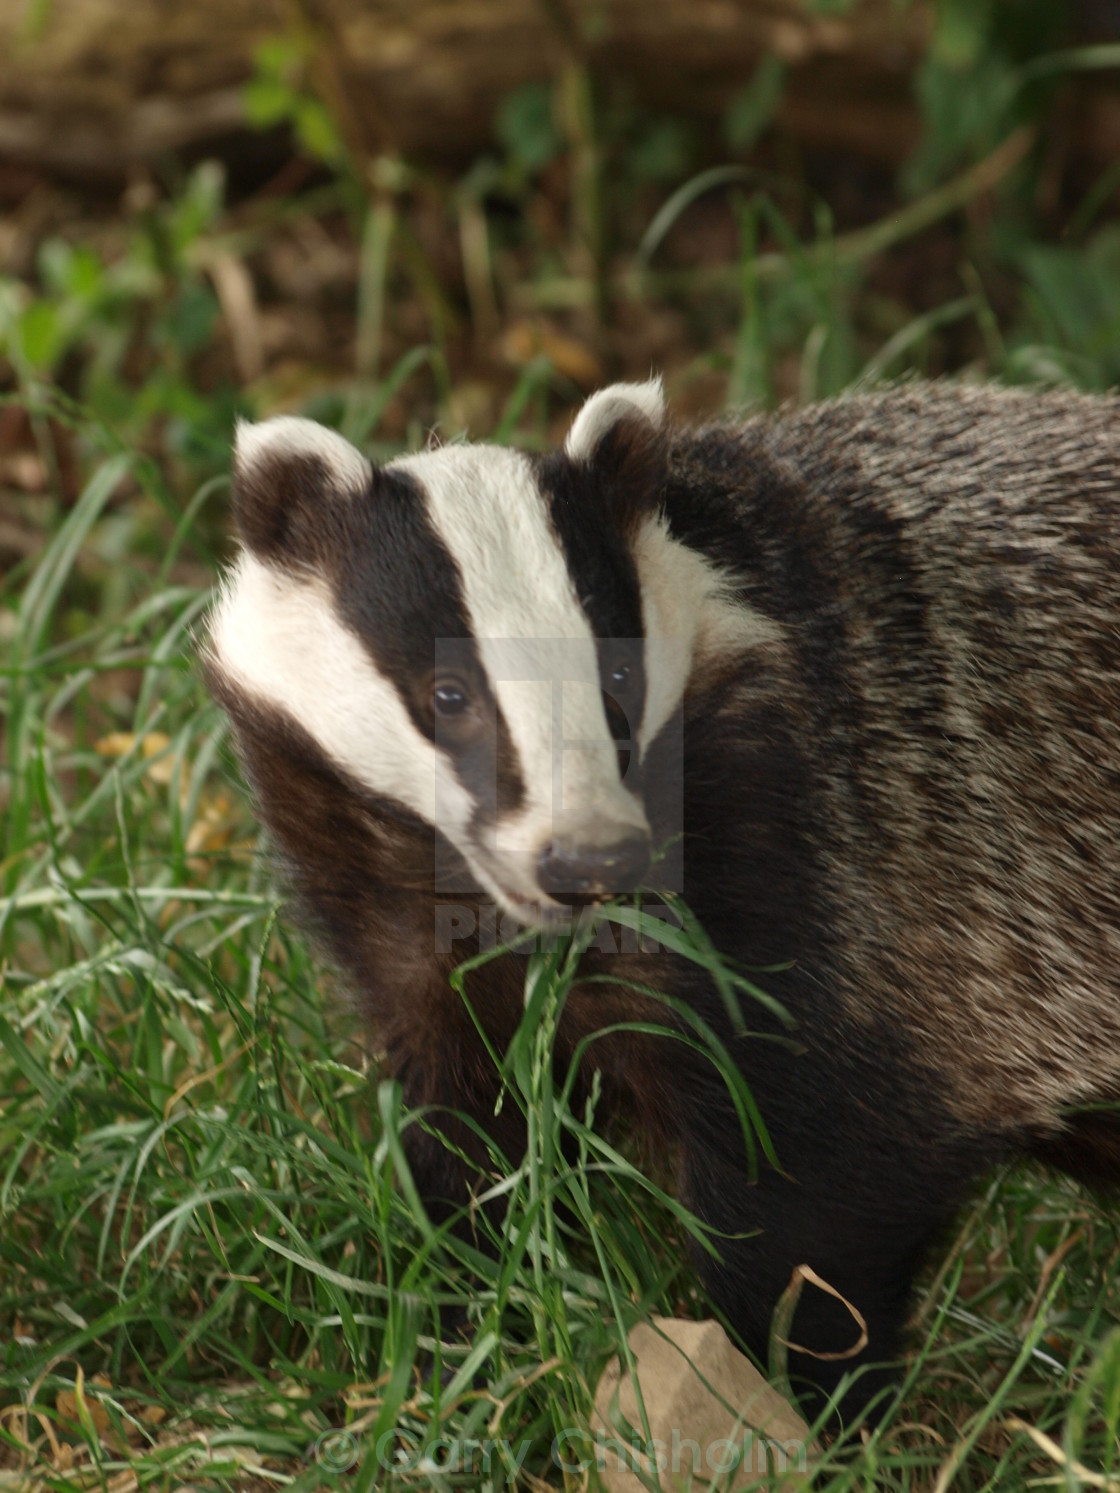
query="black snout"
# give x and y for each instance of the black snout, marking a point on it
(569, 870)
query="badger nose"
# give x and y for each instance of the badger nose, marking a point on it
(569, 869)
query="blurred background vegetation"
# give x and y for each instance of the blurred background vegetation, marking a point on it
(395, 216)
(767, 199)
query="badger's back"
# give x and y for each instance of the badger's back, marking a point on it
(945, 567)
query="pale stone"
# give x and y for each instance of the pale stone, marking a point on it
(703, 1401)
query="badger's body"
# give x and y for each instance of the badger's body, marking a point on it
(891, 628)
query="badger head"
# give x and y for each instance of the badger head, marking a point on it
(488, 640)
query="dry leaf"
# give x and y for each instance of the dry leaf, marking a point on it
(152, 745)
(526, 340)
(67, 1402)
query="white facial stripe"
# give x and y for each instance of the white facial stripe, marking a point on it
(491, 516)
(281, 640)
(603, 410)
(289, 436)
(689, 613)
(524, 614)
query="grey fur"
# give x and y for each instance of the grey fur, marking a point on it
(983, 849)
(901, 795)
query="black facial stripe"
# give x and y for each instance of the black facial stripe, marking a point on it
(601, 567)
(398, 587)
(489, 771)
(599, 561)
(395, 583)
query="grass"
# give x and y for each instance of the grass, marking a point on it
(214, 1270)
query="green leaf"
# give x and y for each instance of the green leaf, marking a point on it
(753, 108)
(200, 205)
(191, 318)
(960, 32)
(267, 101)
(526, 127)
(316, 130)
(40, 336)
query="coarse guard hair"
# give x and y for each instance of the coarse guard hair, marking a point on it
(849, 678)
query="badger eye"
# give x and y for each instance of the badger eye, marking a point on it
(620, 676)
(449, 698)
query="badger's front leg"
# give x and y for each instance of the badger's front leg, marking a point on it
(869, 1175)
(458, 1140)
(450, 1162)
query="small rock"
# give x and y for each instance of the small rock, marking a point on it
(713, 1419)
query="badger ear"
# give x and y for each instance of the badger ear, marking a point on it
(619, 436)
(642, 404)
(289, 475)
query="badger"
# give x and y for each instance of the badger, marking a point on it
(857, 666)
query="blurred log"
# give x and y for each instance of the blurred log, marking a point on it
(107, 85)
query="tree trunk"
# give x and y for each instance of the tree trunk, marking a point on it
(106, 85)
